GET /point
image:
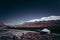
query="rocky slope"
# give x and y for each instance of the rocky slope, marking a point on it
(39, 24)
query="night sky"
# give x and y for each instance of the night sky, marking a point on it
(19, 11)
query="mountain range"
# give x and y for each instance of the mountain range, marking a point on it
(49, 21)
(39, 24)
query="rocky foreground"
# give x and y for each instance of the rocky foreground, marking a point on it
(26, 35)
(15, 34)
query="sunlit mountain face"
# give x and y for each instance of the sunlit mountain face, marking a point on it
(46, 19)
(50, 21)
(42, 24)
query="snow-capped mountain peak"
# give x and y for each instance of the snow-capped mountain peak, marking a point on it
(46, 18)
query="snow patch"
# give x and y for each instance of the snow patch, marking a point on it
(46, 18)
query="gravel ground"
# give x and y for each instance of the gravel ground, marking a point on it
(14, 34)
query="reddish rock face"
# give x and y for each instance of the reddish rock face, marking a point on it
(39, 24)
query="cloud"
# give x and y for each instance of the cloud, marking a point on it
(46, 18)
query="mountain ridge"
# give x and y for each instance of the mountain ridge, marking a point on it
(36, 24)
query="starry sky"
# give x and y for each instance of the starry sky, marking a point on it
(19, 11)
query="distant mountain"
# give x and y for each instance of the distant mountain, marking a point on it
(38, 24)
(49, 21)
